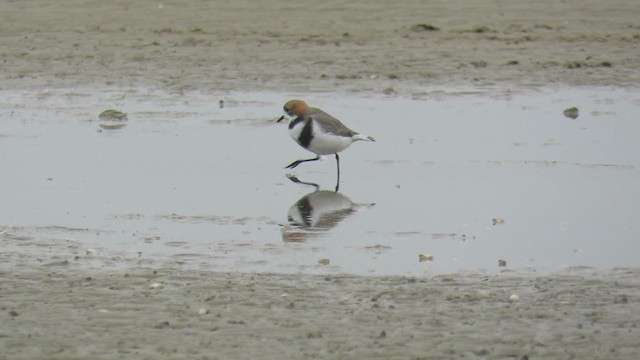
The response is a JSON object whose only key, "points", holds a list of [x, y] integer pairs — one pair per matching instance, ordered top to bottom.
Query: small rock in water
{"points": [[221, 103], [571, 112], [112, 115], [497, 221], [291, 234], [425, 257], [324, 261], [502, 263]]}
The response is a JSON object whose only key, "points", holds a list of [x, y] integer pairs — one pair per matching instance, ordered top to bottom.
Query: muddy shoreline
{"points": [[50, 308]]}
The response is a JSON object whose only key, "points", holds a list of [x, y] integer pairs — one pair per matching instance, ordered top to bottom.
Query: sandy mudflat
{"points": [[356, 46], [60, 311], [580, 314]]}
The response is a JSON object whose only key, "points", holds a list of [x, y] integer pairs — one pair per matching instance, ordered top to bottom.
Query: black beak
{"points": [[281, 118]]}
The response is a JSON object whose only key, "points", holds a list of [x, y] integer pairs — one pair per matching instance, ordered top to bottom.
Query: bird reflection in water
{"points": [[317, 212]]}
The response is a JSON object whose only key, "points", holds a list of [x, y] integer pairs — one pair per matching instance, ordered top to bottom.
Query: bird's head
{"points": [[294, 108]]}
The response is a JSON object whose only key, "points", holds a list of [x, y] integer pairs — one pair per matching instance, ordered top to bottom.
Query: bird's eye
{"points": [[289, 112]]}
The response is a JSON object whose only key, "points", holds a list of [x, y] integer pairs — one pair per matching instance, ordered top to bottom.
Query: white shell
{"points": [[91, 252], [425, 257], [156, 286], [514, 298], [203, 311]]}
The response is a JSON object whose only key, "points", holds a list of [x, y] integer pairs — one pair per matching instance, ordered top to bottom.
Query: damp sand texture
{"points": [[373, 46], [147, 314]]}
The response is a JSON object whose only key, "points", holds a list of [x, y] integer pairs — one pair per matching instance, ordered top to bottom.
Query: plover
{"points": [[318, 132]]}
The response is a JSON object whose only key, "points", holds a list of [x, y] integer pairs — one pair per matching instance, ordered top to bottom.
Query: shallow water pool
{"points": [[469, 179]]}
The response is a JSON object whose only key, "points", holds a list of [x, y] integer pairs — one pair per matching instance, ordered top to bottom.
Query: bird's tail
{"points": [[362, 137]]}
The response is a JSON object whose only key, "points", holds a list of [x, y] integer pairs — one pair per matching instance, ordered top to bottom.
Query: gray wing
{"points": [[328, 123]]}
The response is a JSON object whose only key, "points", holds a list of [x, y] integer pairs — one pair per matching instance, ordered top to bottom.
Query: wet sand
{"points": [[355, 46], [53, 308], [166, 313]]}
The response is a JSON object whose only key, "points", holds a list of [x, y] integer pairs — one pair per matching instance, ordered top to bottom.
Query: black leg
{"points": [[298, 162], [338, 163]]}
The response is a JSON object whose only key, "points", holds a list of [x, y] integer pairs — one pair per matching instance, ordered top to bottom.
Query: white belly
{"points": [[321, 143], [325, 144]]}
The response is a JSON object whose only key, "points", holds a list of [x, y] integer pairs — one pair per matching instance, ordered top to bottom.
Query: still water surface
{"points": [[467, 178]]}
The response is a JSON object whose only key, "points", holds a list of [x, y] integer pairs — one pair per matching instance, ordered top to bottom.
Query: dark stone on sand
{"points": [[424, 27], [481, 30], [479, 63], [571, 112], [112, 115]]}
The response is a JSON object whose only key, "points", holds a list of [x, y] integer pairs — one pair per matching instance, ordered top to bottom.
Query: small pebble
{"points": [[571, 112], [112, 115], [497, 221], [91, 252], [425, 257], [324, 262], [502, 263], [156, 286], [514, 298], [203, 311]]}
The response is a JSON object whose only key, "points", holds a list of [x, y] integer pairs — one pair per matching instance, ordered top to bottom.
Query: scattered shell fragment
{"points": [[571, 112], [112, 115], [497, 221], [291, 234], [91, 252], [425, 257], [324, 261], [502, 263], [156, 286], [514, 298], [203, 311]]}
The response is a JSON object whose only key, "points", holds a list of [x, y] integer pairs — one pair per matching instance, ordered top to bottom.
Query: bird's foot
{"points": [[293, 164], [293, 178]]}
